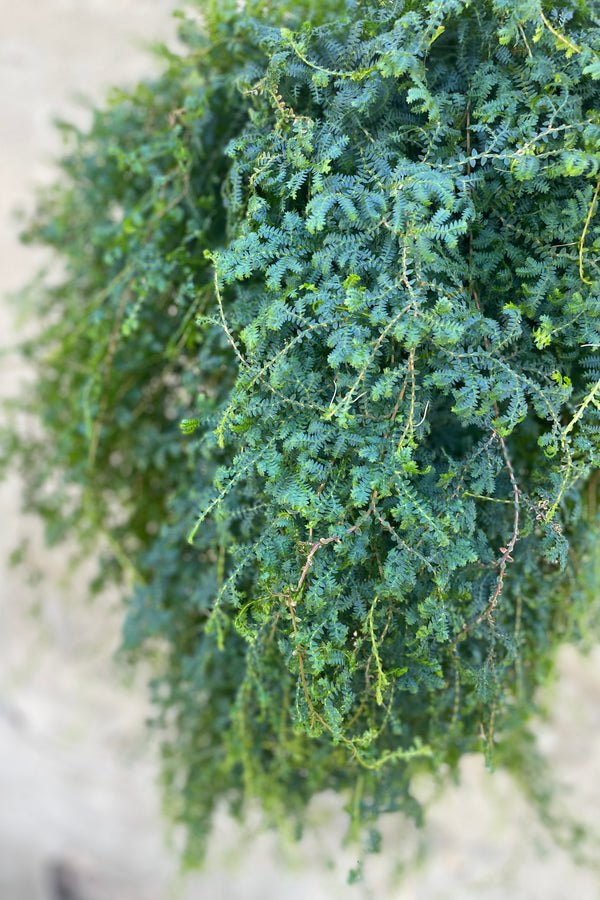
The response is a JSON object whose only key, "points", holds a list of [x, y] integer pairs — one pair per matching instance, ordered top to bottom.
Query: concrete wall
{"points": [[79, 807]]}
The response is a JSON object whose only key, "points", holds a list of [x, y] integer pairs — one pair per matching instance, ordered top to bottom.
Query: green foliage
{"points": [[331, 312]]}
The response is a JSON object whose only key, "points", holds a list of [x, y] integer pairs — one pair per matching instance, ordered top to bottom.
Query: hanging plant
{"points": [[324, 368]]}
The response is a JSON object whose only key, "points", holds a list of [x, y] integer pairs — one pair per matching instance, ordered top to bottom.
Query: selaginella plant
{"points": [[323, 376]]}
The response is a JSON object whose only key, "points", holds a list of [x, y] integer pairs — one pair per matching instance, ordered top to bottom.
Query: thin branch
{"points": [[558, 35], [583, 235], [224, 322], [323, 543], [505, 551]]}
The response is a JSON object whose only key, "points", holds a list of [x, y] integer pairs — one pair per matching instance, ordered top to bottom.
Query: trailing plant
{"points": [[323, 374]]}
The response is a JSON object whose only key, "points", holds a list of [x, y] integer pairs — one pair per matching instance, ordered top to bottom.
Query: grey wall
{"points": [[78, 801]]}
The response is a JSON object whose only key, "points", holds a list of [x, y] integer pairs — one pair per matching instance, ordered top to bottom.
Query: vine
{"points": [[323, 372]]}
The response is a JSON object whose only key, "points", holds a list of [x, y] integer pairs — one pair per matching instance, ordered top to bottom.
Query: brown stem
{"points": [[323, 543], [506, 551]]}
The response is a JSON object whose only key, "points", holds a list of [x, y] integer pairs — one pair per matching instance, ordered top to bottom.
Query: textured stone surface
{"points": [[79, 810]]}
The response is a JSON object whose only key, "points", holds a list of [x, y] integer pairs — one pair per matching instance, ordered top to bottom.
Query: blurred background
{"points": [[80, 815]]}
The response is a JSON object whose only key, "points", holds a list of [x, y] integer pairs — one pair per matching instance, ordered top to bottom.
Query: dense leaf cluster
{"points": [[357, 264]]}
